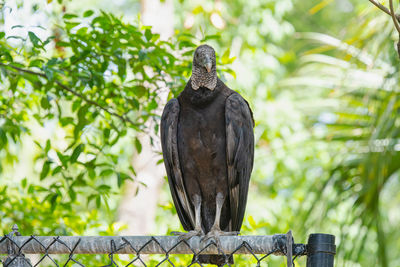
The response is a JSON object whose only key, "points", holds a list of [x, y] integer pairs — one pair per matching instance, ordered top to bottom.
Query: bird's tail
{"points": [[213, 259]]}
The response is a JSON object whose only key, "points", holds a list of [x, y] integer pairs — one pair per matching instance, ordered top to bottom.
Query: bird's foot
{"points": [[215, 233], [188, 235]]}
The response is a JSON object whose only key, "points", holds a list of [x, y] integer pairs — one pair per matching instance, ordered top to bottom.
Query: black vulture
{"points": [[208, 148]]}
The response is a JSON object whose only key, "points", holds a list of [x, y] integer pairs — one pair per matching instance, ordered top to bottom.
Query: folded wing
{"points": [[169, 133], [240, 155]]}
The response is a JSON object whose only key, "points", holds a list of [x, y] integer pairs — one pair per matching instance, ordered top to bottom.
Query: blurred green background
{"points": [[82, 84]]}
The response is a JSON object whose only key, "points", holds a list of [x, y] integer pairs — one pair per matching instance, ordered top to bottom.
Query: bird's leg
{"points": [[198, 231], [215, 231]]}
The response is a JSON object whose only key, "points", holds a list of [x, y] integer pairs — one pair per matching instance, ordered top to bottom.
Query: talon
{"points": [[215, 234], [188, 235]]}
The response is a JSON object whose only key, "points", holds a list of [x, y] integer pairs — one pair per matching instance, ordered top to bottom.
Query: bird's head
{"points": [[204, 57], [204, 70]]}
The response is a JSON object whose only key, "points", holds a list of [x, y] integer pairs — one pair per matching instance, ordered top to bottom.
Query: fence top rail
{"points": [[265, 244]]}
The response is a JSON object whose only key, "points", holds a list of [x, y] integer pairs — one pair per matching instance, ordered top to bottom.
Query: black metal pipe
{"points": [[321, 250]]}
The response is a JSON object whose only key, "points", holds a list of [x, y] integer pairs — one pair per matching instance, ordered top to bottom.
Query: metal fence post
{"points": [[321, 250], [14, 259]]}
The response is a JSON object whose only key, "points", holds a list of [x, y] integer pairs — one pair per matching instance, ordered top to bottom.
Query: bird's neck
{"points": [[202, 78]]}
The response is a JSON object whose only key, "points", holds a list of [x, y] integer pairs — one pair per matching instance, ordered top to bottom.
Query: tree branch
{"points": [[384, 9], [395, 17], [395, 20], [66, 88]]}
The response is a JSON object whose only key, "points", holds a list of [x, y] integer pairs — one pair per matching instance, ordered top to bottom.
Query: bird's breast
{"points": [[201, 134]]}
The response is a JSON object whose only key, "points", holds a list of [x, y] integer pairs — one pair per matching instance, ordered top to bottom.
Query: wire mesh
{"points": [[137, 248]]}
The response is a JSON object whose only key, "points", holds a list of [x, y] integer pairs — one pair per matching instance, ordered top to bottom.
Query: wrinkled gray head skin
{"points": [[204, 69]]}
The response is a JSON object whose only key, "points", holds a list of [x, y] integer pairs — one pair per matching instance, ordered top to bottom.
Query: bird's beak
{"points": [[208, 65]]}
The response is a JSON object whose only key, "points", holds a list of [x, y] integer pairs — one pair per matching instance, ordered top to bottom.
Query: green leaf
{"points": [[88, 13], [69, 16], [70, 25], [17, 26], [82, 32], [2, 34], [148, 34], [15, 37], [211, 37], [34, 39], [48, 40], [63, 44], [7, 56], [225, 57], [52, 61], [36, 63], [139, 91], [44, 103], [76, 104], [153, 105], [82, 113], [66, 120], [106, 133], [3, 138], [138, 145], [48, 146], [75, 154], [62, 158], [45, 170], [56, 170], [106, 172], [92, 173], [121, 177], [119, 180], [79, 181], [23, 183], [103, 188], [31, 189], [72, 194], [98, 201]]}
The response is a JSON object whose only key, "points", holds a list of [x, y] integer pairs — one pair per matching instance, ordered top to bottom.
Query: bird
{"points": [[207, 142]]}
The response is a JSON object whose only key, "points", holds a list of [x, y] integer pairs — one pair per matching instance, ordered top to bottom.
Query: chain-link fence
{"points": [[320, 249]]}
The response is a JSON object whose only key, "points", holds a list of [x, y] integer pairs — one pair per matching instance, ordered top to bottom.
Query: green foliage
{"points": [[322, 78], [96, 85], [358, 120]]}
